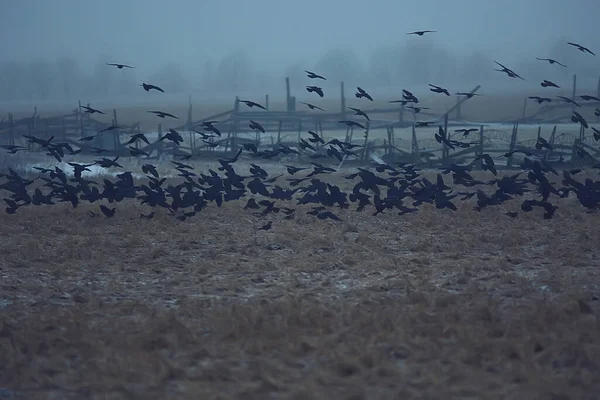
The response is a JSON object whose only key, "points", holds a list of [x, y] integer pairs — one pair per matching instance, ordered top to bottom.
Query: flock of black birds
{"points": [[399, 187]]}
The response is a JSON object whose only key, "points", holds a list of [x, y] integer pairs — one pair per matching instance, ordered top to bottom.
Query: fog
{"points": [[56, 51]]}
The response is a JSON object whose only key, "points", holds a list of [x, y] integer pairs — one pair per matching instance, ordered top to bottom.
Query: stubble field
{"points": [[431, 305]]}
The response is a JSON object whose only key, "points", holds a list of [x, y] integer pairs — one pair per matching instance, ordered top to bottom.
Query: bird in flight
{"points": [[420, 33], [581, 48], [551, 61], [119, 66], [508, 71], [312, 75], [547, 83], [147, 87], [315, 89], [438, 89], [361, 93], [589, 98], [539, 99], [568, 100], [251, 104], [312, 106], [91, 110], [162, 114]]}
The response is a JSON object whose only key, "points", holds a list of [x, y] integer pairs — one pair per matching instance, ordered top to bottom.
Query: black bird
{"points": [[420, 33], [581, 48], [551, 61], [119, 66], [508, 71], [312, 75], [547, 83], [147, 87], [315, 89], [438, 89], [361, 93], [589, 98], [539, 99], [568, 100], [252, 104], [312, 106], [91, 110], [358, 111], [162, 114], [576, 117], [353, 123], [422, 124], [256, 126], [110, 128], [466, 132], [136, 137], [87, 138], [315, 138], [250, 147], [292, 169], [108, 212], [266, 226]]}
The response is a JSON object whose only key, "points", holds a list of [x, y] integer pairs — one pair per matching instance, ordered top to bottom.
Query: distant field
{"points": [[486, 108]]}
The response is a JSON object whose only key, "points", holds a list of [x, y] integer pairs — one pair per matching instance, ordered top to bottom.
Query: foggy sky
{"points": [[279, 33]]}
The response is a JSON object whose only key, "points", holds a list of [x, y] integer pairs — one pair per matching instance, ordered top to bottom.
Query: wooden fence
{"points": [[287, 127]]}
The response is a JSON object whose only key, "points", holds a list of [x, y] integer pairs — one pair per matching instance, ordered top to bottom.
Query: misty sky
{"points": [[277, 33]]}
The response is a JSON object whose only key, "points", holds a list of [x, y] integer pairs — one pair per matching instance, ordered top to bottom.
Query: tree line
{"points": [[414, 62]]}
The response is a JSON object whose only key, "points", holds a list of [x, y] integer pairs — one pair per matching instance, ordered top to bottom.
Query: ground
{"points": [[432, 305]]}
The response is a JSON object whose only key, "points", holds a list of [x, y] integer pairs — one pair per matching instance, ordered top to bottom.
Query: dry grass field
{"points": [[432, 305]]}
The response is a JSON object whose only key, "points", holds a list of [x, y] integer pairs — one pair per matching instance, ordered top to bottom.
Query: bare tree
{"points": [[341, 64], [383, 65], [234, 71], [43, 75], [69, 76], [172, 77], [13, 81]]}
